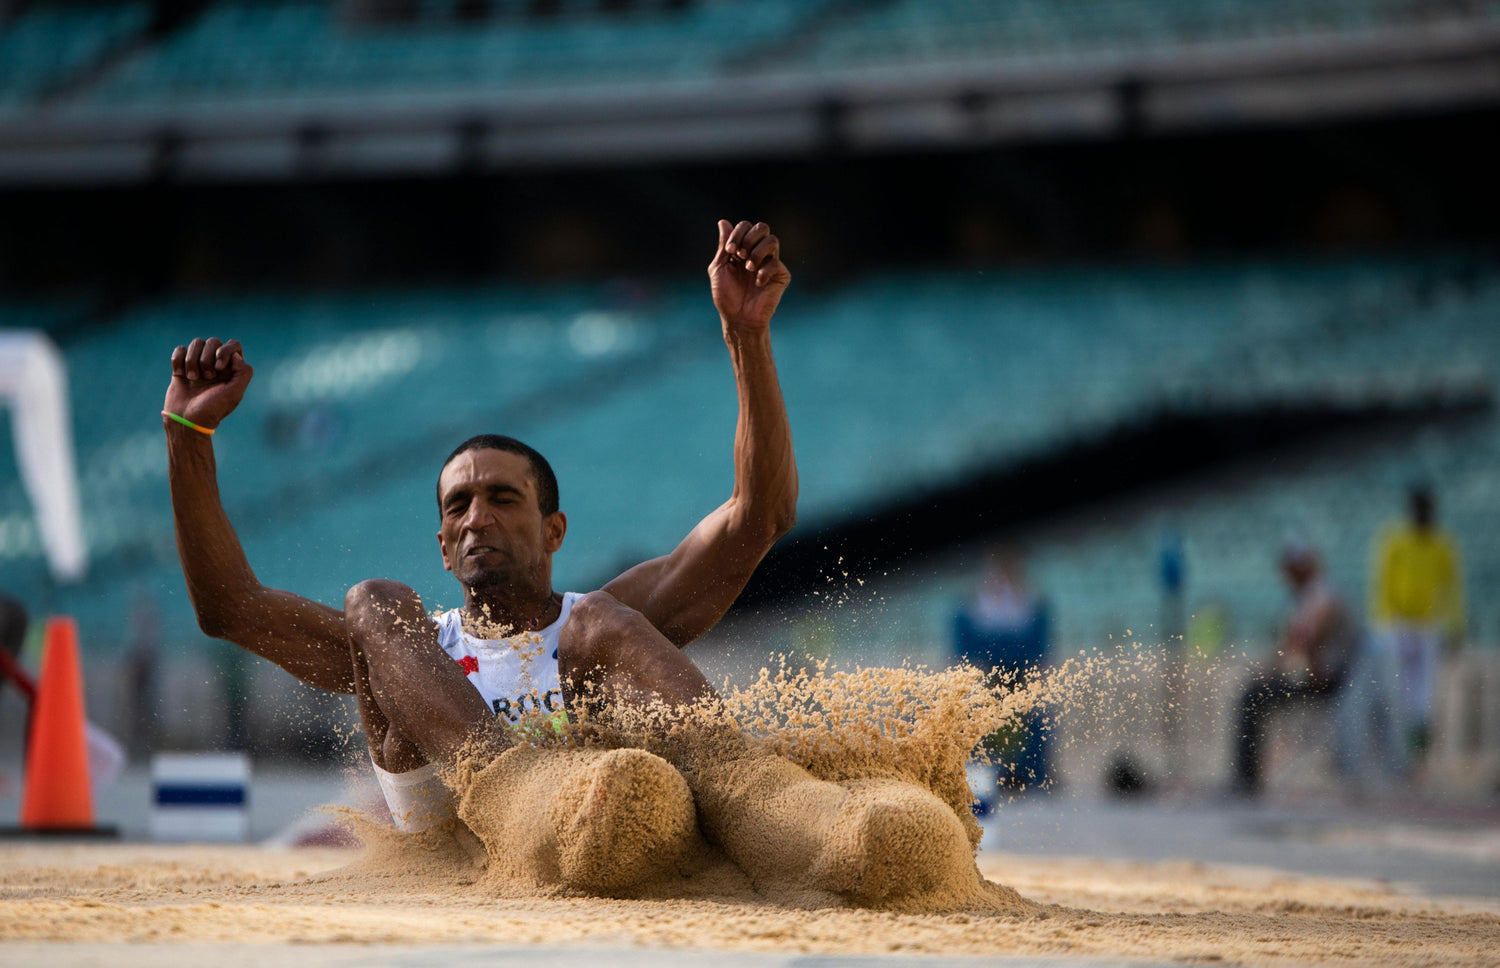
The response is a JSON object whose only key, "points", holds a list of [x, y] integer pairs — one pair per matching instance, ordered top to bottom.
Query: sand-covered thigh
{"points": [[1161, 912]]}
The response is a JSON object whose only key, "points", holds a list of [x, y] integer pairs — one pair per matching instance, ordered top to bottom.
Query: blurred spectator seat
{"points": [[1028, 31], [48, 43], [239, 50]]}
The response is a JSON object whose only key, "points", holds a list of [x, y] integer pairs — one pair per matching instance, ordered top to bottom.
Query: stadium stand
{"points": [[942, 31], [47, 45], [240, 50], [290, 88], [52, 316], [896, 387], [1105, 582]]}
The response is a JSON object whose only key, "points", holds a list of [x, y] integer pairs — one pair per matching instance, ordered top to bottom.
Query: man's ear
{"points": [[554, 528], [443, 547]]}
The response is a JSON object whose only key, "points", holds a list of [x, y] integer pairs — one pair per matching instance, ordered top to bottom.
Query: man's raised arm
{"points": [[686, 592], [304, 638]]}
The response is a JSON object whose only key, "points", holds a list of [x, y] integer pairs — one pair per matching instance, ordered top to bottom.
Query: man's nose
{"points": [[479, 514]]}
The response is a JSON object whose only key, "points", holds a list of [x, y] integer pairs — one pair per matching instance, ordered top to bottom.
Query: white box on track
{"points": [[200, 796]]}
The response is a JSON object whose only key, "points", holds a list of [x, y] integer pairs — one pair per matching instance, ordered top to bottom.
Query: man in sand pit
{"points": [[429, 691]]}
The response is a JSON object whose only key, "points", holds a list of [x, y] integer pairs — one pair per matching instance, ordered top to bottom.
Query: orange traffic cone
{"points": [[57, 798]]}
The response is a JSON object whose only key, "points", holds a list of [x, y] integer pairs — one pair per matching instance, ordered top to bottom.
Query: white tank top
{"points": [[515, 676]]}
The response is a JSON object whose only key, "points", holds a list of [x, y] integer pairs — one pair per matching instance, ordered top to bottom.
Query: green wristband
{"points": [[187, 423]]}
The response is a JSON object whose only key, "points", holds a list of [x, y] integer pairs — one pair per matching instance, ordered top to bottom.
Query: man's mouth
{"points": [[479, 550]]}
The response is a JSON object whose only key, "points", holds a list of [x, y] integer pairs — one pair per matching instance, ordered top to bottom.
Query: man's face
{"points": [[493, 531]]}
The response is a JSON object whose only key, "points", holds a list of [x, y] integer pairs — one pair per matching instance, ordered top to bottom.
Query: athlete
{"points": [[428, 688]]}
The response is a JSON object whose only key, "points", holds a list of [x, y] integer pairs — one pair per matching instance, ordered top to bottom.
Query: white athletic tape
{"points": [[200, 796], [418, 799]]}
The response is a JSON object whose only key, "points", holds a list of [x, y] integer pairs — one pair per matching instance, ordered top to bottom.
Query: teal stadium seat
{"points": [[939, 31], [46, 45], [287, 48], [257, 50]]}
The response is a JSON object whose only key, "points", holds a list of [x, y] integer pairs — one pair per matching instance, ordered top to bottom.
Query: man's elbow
{"points": [[762, 519], [783, 522], [770, 524], [217, 620], [215, 625]]}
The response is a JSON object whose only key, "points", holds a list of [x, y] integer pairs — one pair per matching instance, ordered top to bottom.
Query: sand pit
{"points": [[897, 739], [1158, 912]]}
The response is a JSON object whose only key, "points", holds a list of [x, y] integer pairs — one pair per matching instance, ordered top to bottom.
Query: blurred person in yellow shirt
{"points": [[1417, 603]]}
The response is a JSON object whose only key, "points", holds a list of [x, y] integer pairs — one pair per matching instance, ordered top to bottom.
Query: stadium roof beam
{"points": [[787, 114]]}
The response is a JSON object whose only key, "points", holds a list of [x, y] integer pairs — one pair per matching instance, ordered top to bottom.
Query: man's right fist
{"points": [[209, 378]]}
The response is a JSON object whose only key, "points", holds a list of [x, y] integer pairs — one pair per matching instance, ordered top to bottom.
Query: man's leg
{"points": [[609, 652], [1265, 693], [415, 703], [415, 706], [1391, 715], [1355, 719], [595, 820], [872, 841]]}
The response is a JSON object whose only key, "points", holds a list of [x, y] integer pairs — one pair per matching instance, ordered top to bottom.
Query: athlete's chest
{"points": [[514, 676]]}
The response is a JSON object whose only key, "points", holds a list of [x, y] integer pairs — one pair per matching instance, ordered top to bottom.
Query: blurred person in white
{"points": [[1417, 604], [1370, 749]]}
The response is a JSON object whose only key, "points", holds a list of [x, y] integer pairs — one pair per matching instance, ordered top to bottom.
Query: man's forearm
{"points": [[765, 468], [218, 575], [684, 593], [303, 637]]}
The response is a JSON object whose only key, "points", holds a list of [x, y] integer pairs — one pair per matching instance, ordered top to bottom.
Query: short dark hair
{"points": [[541, 471], [1421, 503]]}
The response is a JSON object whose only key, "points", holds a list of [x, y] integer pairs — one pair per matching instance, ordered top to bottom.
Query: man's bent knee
{"points": [[377, 592], [376, 603], [599, 609], [595, 619], [598, 626]]}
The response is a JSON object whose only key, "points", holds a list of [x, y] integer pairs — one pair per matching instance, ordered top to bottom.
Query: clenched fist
{"points": [[747, 276], [209, 378]]}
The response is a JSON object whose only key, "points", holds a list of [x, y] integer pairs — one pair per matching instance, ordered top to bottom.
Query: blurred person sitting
{"points": [[1417, 604], [13, 621], [13, 624], [1003, 628], [1321, 639], [106, 758]]}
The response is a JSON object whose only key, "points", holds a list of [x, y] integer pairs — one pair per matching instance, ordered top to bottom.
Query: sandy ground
{"points": [[128, 905], [1157, 912]]}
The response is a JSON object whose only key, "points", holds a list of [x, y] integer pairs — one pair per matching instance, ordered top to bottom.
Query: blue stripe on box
{"points": [[200, 796]]}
